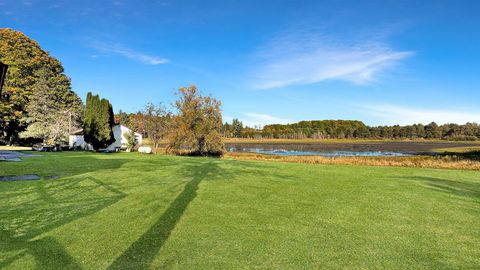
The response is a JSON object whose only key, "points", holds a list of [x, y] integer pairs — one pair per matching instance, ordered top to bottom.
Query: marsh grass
{"points": [[452, 150], [438, 162]]}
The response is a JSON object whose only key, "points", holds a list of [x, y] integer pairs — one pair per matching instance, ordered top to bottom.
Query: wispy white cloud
{"points": [[27, 3], [113, 48], [310, 58], [395, 114], [252, 119]]}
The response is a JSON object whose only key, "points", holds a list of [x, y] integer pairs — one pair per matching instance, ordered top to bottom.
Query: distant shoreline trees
{"points": [[351, 129], [233, 130]]}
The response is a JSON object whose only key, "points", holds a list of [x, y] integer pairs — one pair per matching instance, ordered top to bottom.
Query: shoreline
{"points": [[340, 141]]}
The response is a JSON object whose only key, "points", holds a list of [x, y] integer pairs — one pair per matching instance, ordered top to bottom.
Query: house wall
{"points": [[119, 133], [78, 141], [120, 141]]}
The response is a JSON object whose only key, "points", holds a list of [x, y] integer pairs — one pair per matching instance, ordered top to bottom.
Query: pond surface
{"points": [[342, 149], [285, 152]]}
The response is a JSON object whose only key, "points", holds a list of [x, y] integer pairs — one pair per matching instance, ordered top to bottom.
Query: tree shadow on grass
{"points": [[463, 189], [31, 209], [47, 252], [142, 252]]}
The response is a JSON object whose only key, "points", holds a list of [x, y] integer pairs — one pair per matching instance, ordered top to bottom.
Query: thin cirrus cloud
{"points": [[117, 49], [294, 60], [395, 114]]}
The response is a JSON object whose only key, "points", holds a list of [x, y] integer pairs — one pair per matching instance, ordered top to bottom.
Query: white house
{"points": [[119, 132]]}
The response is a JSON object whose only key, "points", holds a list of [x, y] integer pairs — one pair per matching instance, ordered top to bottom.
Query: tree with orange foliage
{"points": [[155, 122], [196, 129]]}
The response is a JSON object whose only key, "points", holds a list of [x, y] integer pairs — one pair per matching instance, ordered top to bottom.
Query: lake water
{"points": [[376, 149], [290, 152]]}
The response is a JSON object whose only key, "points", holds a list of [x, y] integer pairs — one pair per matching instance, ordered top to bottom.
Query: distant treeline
{"points": [[344, 129]]}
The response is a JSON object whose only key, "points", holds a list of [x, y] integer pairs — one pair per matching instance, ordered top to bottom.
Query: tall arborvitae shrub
{"points": [[88, 118], [98, 122], [105, 123]]}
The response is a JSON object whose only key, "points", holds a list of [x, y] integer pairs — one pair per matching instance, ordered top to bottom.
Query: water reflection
{"points": [[285, 152]]}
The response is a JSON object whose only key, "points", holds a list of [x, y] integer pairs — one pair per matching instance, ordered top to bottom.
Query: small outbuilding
{"points": [[76, 139]]}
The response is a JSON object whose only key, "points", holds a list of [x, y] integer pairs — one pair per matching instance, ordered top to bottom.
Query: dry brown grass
{"points": [[15, 148], [439, 162]]}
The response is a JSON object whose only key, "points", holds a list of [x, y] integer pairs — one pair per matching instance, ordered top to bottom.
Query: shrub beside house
{"points": [[77, 140]]}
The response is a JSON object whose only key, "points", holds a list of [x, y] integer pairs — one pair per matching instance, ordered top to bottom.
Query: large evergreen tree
{"points": [[32, 71], [52, 111], [98, 122]]}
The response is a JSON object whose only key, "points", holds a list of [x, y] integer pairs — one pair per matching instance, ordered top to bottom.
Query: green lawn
{"points": [[121, 211]]}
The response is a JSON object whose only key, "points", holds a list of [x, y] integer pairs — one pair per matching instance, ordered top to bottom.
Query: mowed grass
{"points": [[132, 211]]}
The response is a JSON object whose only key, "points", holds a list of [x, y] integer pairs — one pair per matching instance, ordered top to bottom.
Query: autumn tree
{"points": [[31, 69], [122, 118], [155, 121], [137, 122], [196, 128]]}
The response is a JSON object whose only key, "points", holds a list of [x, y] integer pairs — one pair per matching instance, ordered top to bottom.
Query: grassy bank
{"points": [[132, 211]]}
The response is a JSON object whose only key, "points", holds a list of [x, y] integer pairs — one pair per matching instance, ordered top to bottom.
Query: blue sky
{"points": [[382, 62]]}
